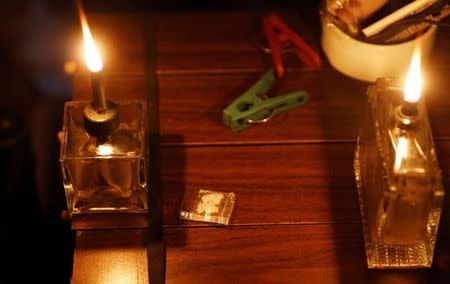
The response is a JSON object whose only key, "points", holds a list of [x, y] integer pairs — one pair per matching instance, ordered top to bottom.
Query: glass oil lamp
{"points": [[103, 153], [397, 174]]}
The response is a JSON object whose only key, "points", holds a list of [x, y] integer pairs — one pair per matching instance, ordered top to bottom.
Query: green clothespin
{"points": [[252, 107]]}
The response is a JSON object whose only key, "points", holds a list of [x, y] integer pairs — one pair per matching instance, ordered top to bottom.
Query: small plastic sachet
{"points": [[207, 206]]}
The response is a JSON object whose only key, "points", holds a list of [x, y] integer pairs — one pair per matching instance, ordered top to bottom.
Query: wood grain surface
{"points": [[207, 43], [191, 106], [275, 184], [297, 216], [321, 253], [112, 256]]}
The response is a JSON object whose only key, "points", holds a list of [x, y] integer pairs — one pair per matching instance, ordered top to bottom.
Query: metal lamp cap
{"points": [[101, 123]]}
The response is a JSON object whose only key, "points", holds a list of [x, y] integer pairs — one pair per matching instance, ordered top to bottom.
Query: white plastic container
{"points": [[367, 62]]}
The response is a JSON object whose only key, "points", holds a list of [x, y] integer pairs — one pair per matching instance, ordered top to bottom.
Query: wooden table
{"points": [[297, 215]]}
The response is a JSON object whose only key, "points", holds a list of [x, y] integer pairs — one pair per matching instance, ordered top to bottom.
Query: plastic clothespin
{"points": [[278, 33], [252, 107]]}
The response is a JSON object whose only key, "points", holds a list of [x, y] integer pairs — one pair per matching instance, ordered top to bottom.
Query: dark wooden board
{"points": [[208, 43], [191, 106], [279, 184], [297, 217], [316, 253], [282, 254], [110, 256]]}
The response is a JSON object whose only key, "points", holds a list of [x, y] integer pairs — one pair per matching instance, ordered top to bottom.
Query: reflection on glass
{"points": [[105, 174], [398, 180]]}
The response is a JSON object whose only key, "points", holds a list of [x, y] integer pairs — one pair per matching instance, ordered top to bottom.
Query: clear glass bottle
{"points": [[105, 174], [398, 180]]}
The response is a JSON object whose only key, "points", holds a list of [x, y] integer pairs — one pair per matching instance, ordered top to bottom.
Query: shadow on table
{"points": [[337, 102], [166, 181]]}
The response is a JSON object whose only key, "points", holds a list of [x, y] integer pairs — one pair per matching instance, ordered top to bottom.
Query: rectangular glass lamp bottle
{"points": [[105, 172], [398, 180]]}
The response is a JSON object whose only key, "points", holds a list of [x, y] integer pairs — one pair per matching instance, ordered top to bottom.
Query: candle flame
{"points": [[91, 53], [413, 83]]}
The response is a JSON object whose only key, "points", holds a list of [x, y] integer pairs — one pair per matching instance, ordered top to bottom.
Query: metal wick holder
{"points": [[407, 115], [101, 116]]}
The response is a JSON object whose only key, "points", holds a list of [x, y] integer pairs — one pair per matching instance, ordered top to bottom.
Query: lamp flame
{"points": [[91, 53], [413, 83]]}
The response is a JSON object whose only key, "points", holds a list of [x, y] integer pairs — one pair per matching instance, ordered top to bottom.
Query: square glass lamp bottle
{"points": [[104, 165], [398, 180]]}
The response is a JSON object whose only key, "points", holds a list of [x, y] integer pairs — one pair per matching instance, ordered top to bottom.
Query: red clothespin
{"points": [[278, 33]]}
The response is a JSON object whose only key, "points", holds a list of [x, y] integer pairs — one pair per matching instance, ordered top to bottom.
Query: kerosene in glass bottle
{"points": [[104, 153], [104, 169], [398, 177]]}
